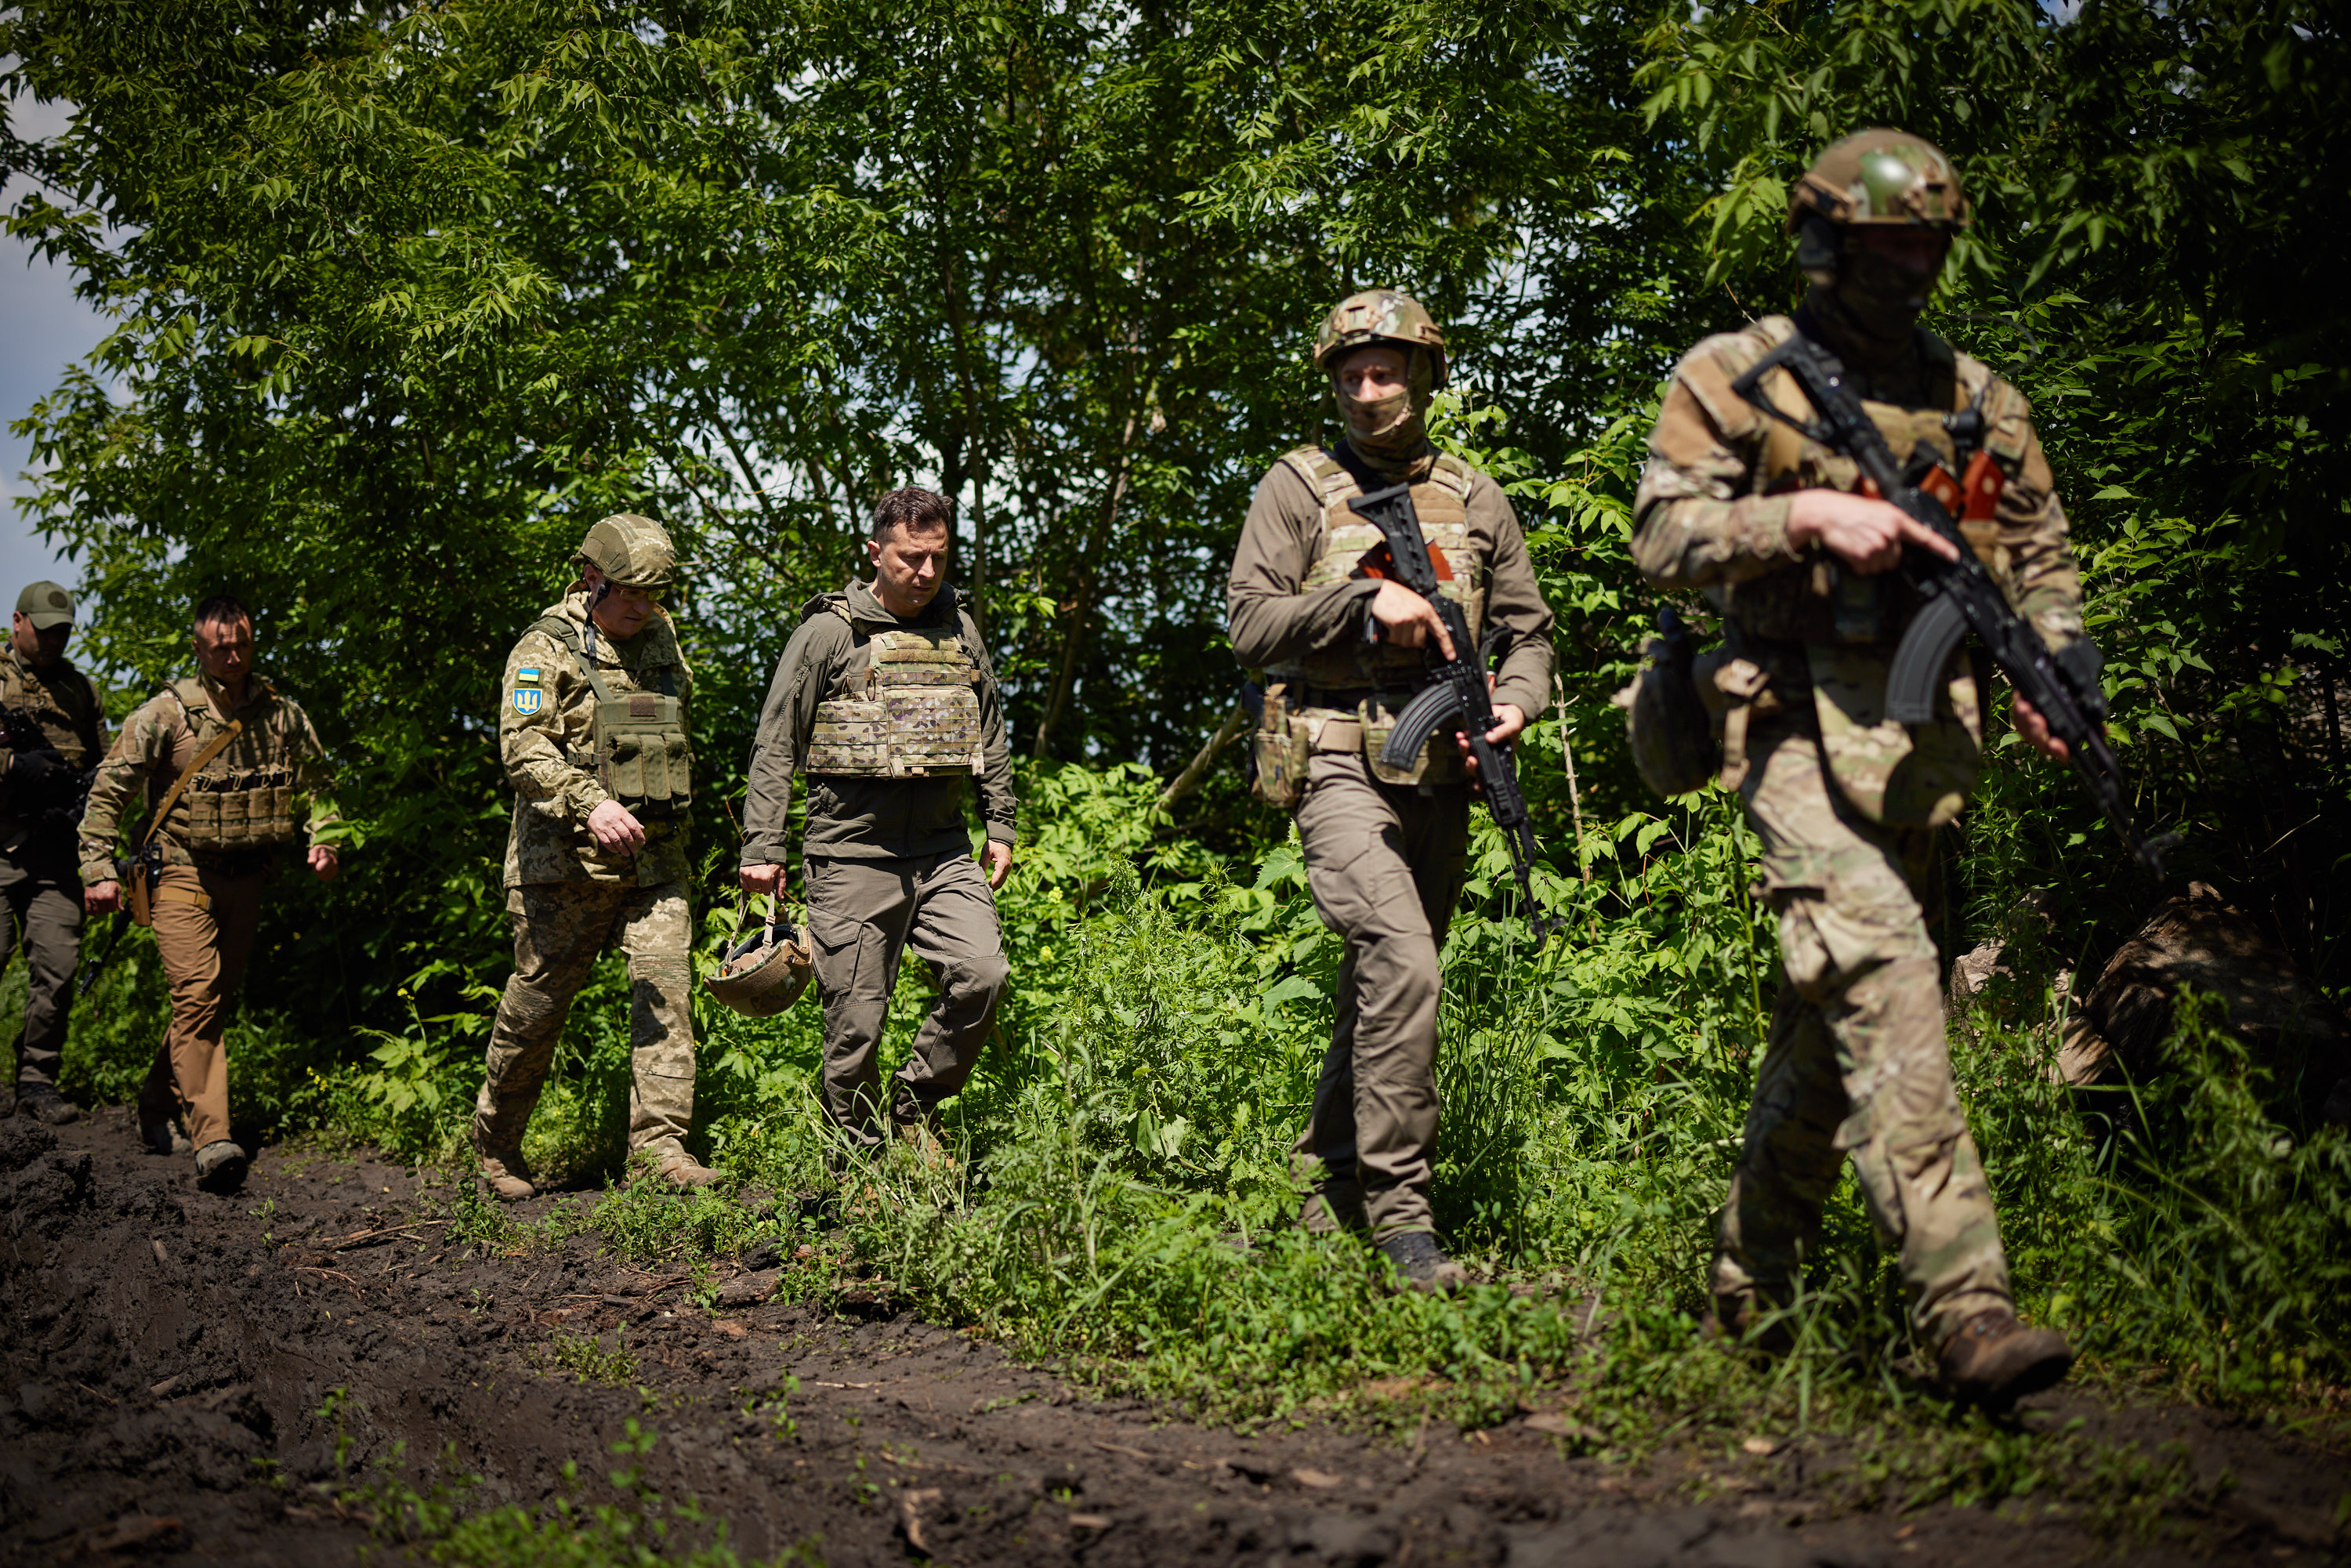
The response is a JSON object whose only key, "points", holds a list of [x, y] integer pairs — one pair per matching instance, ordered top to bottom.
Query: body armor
{"points": [[1817, 600], [1369, 683], [906, 707], [638, 749], [238, 801]]}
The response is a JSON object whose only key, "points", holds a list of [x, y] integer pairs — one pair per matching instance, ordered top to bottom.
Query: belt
{"points": [[1350, 698]]}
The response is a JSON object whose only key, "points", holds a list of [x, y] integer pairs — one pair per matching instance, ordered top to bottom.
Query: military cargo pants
{"points": [[1384, 864], [44, 896], [862, 917], [204, 920], [560, 928], [1857, 1063]]}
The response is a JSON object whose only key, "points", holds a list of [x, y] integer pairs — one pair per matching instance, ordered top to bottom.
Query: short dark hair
{"points": [[912, 508], [221, 607]]}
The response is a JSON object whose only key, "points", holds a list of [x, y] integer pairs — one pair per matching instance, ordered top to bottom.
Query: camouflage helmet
{"points": [[1881, 177], [1380, 316], [631, 551], [765, 972]]}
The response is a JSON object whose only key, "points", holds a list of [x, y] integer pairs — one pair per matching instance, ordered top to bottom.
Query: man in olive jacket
{"points": [[885, 698]]}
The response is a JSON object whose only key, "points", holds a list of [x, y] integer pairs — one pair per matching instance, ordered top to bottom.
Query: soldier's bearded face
{"points": [[910, 564], [39, 648], [224, 650]]}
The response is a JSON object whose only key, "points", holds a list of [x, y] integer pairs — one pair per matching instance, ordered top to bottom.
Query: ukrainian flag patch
{"points": [[527, 677], [527, 700]]}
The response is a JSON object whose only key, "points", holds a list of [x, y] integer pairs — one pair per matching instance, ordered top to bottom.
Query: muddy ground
{"points": [[166, 1354]]}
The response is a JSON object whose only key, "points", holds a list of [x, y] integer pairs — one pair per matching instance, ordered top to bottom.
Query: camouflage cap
{"points": [[1881, 176], [1379, 315], [631, 551], [46, 604]]}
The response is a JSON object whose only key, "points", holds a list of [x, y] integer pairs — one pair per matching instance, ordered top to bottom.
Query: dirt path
{"points": [[167, 1354]]}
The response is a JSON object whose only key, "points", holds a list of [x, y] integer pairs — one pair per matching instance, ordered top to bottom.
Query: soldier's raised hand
{"points": [[1864, 532], [1407, 620]]}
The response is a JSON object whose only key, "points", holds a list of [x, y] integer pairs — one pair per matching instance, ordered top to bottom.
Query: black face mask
{"points": [[1881, 296]]}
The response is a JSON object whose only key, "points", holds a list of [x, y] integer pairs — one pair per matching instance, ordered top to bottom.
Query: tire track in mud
{"points": [[167, 1354]]}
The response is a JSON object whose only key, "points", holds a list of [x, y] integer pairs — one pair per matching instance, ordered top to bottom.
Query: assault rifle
{"points": [[1960, 595], [1457, 701], [67, 796], [147, 862]]}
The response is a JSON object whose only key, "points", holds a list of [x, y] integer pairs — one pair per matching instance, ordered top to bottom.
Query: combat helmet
{"points": [[1881, 176], [1380, 316], [631, 551], [766, 971]]}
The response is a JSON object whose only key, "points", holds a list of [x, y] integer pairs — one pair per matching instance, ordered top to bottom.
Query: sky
{"points": [[45, 329]]}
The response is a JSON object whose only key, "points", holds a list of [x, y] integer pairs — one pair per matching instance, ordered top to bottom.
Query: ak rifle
{"points": [[1457, 701]]}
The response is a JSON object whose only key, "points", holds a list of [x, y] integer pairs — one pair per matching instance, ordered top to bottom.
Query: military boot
{"points": [[42, 1103], [160, 1133], [921, 1133], [220, 1166], [682, 1170], [503, 1174], [1337, 1205], [1422, 1264], [1740, 1315], [1994, 1360]]}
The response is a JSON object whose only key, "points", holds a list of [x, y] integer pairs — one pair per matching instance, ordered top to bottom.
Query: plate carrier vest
{"points": [[907, 705], [637, 746], [227, 806]]}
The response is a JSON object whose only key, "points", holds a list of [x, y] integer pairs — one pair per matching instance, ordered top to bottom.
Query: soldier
{"points": [[1773, 529], [1343, 653], [885, 697], [592, 726], [56, 731], [234, 771]]}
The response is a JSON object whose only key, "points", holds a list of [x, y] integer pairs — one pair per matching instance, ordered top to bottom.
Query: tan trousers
{"points": [[1384, 864], [44, 910], [862, 917], [560, 928], [203, 933], [1857, 1064]]}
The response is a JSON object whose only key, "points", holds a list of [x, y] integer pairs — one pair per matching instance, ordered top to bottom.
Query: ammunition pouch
{"points": [[638, 749]]}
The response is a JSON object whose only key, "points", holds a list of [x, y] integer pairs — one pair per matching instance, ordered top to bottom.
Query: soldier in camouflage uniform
{"points": [[1772, 529], [1342, 650], [885, 698], [592, 728], [56, 734], [227, 834]]}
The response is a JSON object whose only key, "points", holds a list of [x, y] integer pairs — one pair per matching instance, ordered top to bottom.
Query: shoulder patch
{"points": [[526, 677], [527, 700]]}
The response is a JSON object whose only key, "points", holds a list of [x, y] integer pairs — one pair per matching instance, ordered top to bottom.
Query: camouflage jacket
{"points": [[1711, 514], [61, 701], [545, 722], [162, 738], [854, 818]]}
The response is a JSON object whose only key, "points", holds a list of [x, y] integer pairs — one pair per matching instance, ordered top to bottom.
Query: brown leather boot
{"points": [[681, 1169], [503, 1174], [1994, 1360]]}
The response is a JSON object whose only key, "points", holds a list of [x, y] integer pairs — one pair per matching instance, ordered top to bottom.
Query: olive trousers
{"points": [[1384, 864], [44, 898], [862, 917], [204, 921], [560, 928], [1857, 1065]]}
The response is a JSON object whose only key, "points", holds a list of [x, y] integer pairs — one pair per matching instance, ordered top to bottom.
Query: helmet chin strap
{"points": [[603, 586]]}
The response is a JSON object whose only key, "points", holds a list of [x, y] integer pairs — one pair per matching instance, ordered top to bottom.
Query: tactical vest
{"points": [[1442, 502], [1817, 600], [907, 705], [638, 748], [231, 804]]}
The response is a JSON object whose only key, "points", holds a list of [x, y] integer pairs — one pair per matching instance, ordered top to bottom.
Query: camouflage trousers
{"points": [[1384, 864], [43, 894], [862, 917], [560, 928], [1857, 1063]]}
